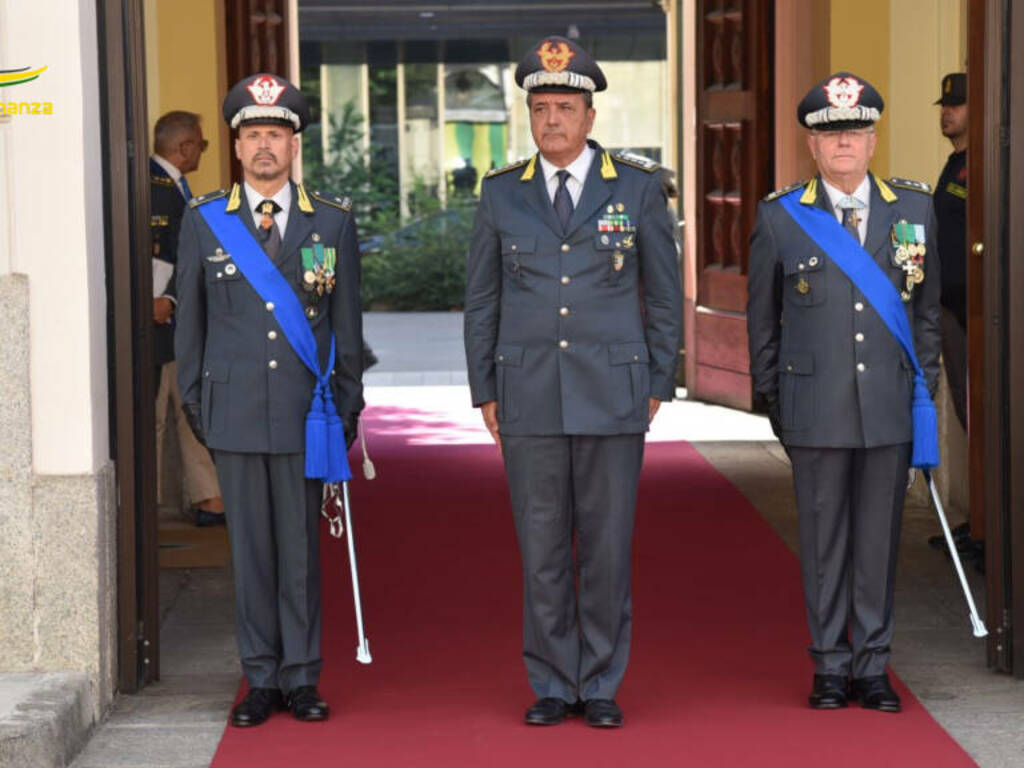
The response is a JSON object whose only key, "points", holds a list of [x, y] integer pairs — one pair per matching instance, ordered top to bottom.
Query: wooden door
{"points": [[256, 40], [735, 168], [130, 334]]}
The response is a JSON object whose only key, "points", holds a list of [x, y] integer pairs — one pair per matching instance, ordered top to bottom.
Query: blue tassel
{"points": [[926, 428], [316, 436], [338, 470]]}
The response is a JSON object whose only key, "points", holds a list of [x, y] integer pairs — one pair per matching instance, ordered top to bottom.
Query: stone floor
{"points": [[177, 722]]}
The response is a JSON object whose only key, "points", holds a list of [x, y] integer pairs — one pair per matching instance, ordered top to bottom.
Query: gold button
{"points": [[515, 247], [565, 247], [801, 267], [220, 275], [565, 279], [270, 306], [859, 306], [564, 311], [272, 335], [859, 337], [563, 344], [501, 358], [272, 364], [789, 367], [861, 367]]}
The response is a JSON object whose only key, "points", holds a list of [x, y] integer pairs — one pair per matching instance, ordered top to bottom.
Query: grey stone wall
{"points": [[57, 537]]}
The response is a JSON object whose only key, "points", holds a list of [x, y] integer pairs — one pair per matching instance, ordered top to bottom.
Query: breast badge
{"points": [[616, 220], [908, 242], [318, 265]]}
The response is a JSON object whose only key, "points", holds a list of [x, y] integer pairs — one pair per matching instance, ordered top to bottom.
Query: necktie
{"points": [[185, 190], [563, 200], [851, 219], [269, 232]]}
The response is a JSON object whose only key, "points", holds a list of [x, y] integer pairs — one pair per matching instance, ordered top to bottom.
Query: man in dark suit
{"points": [[178, 144], [568, 360], [838, 384], [247, 385]]}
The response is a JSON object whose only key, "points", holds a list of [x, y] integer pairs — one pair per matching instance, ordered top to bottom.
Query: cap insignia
{"points": [[555, 57], [265, 90], [843, 92]]}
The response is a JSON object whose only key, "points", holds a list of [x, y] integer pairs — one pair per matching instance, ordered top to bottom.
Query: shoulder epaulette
{"points": [[636, 161], [506, 168], [165, 181], [918, 186], [784, 190], [195, 202], [344, 203]]}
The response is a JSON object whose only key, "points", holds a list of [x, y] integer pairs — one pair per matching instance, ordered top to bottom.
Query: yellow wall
{"points": [[859, 43], [903, 48], [186, 70]]}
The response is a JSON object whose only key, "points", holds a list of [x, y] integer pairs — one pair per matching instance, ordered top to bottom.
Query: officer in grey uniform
{"points": [[572, 323], [838, 385], [247, 393]]}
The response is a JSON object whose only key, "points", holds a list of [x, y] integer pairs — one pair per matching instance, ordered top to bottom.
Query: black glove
{"points": [[193, 416], [775, 419], [351, 425]]}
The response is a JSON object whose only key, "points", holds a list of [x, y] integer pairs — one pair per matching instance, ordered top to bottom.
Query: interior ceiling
{"points": [[362, 20]]}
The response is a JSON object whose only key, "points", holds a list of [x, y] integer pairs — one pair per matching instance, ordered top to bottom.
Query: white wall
{"points": [[53, 164]]}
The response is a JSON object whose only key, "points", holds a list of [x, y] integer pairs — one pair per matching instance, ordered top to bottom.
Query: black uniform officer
{"points": [[950, 201], [568, 360], [838, 384], [247, 392]]}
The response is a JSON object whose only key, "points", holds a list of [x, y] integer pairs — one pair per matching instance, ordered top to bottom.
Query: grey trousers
{"points": [[954, 358], [850, 505], [273, 517], [577, 605]]}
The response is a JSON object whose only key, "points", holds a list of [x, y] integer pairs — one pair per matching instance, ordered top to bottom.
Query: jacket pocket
{"points": [[513, 249], [618, 249], [804, 277], [224, 286], [508, 360], [633, 385], [796, 390], [214, 394]]}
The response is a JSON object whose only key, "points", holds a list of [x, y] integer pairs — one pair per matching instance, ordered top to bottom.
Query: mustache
{"points": [[263, 154]]}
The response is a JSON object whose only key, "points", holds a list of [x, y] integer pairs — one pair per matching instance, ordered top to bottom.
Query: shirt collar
{"points": [[167, 165], [578, 168], [862, 192], [283, 197]]}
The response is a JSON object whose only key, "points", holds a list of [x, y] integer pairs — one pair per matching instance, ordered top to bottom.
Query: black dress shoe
{"points": [[205, 518], [828, 692], [876, 693], [307, 705], [256, 707], [549, 711], [602, 713]]}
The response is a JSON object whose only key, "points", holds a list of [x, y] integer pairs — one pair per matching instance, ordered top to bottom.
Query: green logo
{"points": [[19, 76]]}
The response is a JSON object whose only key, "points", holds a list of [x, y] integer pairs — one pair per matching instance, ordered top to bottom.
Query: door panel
{"points": [[735, 160]]}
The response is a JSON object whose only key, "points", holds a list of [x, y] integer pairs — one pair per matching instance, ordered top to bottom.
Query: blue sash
{"points": [[862, 270], [326, 454]]}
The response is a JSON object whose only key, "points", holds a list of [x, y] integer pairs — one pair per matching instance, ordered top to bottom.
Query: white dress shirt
{"points": [[578, 170], [172, 171], [862, 194], [283, 197]]}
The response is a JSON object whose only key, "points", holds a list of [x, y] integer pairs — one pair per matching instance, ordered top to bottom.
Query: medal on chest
{"points": [[908, 241], [318, 265]]}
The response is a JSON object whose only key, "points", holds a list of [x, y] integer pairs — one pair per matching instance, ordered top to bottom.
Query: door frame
{"points": [[130, 337]]}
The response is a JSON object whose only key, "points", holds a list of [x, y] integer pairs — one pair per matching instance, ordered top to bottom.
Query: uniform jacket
{"points": [[167, 206], [565, 342], [816, 345], [233, 358]]}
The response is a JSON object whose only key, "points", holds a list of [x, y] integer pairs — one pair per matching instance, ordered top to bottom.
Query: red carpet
{"points": [[718, 676]]}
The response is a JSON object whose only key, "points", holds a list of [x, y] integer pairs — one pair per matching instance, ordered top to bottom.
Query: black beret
{"points": [[558, 65], [954, 89], [265, 98], [840, 102]]}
